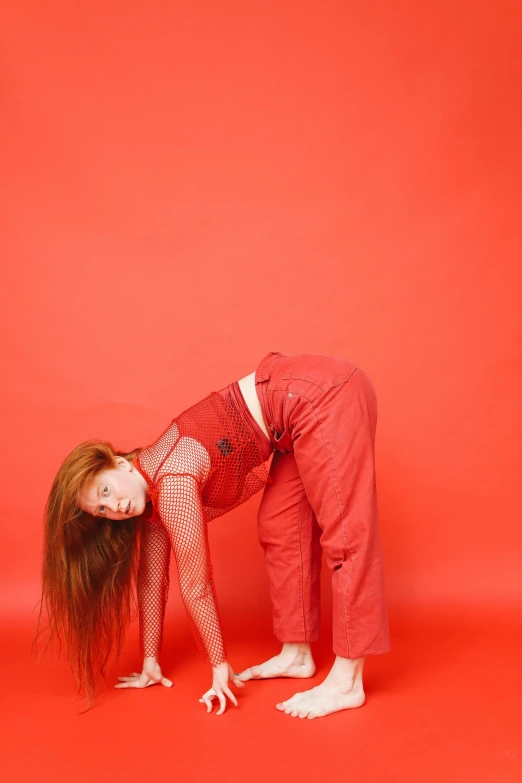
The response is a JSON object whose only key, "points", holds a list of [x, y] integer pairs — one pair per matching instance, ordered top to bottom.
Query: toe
{"points": [[293, 702]]}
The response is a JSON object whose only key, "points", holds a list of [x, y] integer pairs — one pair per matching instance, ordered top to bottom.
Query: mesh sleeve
{"points": [[180, 509], [153, 586]]}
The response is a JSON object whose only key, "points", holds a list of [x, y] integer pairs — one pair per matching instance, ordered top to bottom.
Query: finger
{"points": [[246, 675], [142, 681], [237, 682], [167, 683], [230, 695], [207, 703], [222, 703]]}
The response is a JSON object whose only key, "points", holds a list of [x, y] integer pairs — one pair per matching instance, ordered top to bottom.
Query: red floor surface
{"points": [[186, 186], [445, 705]]}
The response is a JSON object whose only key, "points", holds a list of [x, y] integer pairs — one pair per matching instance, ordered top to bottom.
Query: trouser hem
{"points": [[287, 637]]}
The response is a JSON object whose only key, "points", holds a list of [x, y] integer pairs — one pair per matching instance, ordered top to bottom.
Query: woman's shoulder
{"points": [[188, 456]]}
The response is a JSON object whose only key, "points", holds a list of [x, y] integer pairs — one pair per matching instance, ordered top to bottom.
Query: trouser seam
{"points": [[301, 562], [346, 607]]}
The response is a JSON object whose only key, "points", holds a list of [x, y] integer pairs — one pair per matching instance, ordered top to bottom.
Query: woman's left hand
{"points": [[222, 674]]}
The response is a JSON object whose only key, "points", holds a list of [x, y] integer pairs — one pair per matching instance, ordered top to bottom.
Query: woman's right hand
{"points": [[222, 674], [151, 675]]}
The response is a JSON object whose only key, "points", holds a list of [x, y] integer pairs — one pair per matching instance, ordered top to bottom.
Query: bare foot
{"points": [[294, 660], [342, 690]]}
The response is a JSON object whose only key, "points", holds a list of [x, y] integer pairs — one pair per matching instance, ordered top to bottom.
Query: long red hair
{"points": [[89, 569]]}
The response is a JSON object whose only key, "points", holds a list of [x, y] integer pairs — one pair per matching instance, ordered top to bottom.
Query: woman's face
{"points": [[117, 493]]}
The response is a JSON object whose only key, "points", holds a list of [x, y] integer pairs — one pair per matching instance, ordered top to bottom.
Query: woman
{"points": [[111, 519]]}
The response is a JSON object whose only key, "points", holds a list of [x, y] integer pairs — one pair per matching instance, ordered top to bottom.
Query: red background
{"points": [[186, 186]]}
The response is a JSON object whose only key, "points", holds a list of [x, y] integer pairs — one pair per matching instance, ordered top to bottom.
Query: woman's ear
{"points": [[121, 462]]}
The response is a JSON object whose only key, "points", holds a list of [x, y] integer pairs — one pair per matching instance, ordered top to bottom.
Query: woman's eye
{"points": [[105, 490], [101, 510]]}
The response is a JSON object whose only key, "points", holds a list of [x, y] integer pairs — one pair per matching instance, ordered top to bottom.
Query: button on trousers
{"points": [[321, 413]]}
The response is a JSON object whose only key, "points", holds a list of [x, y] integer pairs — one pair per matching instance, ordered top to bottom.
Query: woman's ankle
{"points": [[297, 649], [347, 672]]}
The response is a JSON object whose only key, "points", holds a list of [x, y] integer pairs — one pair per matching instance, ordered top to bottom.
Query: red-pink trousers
{"points": [[321, 413]]}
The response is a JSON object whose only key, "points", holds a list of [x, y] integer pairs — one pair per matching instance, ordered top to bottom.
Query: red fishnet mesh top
{"points": [[206, 463]]}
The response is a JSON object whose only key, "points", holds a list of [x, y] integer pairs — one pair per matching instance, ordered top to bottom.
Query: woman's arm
{"points": [[180, 509], [153, 587], [153, 590]]}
